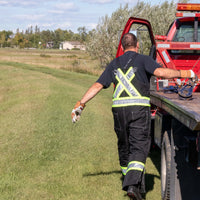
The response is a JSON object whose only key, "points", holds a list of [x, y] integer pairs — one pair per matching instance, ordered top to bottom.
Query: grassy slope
{"points": [[76, 61], [44, 155]]}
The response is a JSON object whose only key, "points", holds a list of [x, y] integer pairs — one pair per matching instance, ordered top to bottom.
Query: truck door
{"points": [[141, 28]]}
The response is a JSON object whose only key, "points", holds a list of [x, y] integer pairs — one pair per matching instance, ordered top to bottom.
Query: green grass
{"points": [[46, 157]]}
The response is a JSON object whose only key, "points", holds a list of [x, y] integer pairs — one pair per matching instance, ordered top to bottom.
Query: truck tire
{"points": [[165, 167]]}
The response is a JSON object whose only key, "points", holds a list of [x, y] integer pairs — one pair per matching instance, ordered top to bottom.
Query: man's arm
{"points": [[167, 73], [172, 73], [92, 92], [78, 108]]}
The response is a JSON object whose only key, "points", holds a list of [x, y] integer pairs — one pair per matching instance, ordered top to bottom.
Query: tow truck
{"points": [[175, 117]]}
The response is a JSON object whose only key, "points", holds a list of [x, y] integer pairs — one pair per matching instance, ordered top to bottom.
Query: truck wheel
{"points": [[165, 167]]}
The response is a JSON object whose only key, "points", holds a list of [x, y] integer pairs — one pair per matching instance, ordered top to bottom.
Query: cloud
{"points": [[99, 1], [131, 1], [3, 3], [21, 3], [25, 3], [66, 6], [63, 8], [56, 11], [53, 14], [29, 17], [63, 25], [53, 26], [91, 26]]}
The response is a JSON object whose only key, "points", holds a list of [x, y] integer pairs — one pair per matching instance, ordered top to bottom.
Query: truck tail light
{"points": [[188, 7]]}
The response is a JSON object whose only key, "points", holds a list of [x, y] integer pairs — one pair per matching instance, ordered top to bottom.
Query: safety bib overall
{"points": [[131, 112]]}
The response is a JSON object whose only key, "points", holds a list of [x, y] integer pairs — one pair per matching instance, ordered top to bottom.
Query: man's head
{"points": [[129, 41]]}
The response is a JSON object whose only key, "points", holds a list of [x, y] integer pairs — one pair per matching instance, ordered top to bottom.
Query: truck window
{"points": [[185, 33], [143, 37]]}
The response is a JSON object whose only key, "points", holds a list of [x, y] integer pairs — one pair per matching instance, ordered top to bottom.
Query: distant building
{"points": [[49, 45], [68, 45]]}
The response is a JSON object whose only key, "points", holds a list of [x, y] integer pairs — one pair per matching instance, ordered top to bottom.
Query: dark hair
{"points": [[129, 40]]}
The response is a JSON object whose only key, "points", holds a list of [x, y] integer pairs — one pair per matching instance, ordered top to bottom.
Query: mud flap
{"points": [[198, 149]]}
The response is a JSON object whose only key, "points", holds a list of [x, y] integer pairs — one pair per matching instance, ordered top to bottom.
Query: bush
{"points": [[104, 40], [44, 55], [75, 63]]}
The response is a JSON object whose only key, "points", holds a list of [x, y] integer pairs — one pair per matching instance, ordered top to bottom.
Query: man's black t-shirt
{"points": [[144, 65]]}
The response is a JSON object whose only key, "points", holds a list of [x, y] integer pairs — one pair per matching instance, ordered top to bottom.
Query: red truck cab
{"points": [[179, 48]]}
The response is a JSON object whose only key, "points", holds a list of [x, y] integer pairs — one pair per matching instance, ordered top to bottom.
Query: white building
{"points": [[68, 45]]}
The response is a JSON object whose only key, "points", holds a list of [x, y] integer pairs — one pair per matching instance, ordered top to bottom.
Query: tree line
{"points": [[34, 38]]}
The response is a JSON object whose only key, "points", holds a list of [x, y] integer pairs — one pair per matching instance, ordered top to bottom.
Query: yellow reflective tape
{"points": [[131, 78], [129, 83], [120, 84], [124, 84], [116, 89], [129, 98], [131, 101], [125, 105], [136, 162], [135, 165], [134, 168], [124, 170]]}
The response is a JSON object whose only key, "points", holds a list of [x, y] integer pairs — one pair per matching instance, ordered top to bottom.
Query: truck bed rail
{"points": [[185, 111]]}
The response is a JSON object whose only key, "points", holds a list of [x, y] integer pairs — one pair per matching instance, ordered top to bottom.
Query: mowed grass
{"points": [[75, 61], [44, 155]]}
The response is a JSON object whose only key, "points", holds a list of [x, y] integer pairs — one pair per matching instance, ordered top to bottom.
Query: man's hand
{"points": [[172, 73], [189, 74], [194, 77], [92, 91], [76, 112]]}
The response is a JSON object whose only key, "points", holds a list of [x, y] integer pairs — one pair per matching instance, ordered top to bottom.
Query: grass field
{"points": [[75, 61], [43, 155]]}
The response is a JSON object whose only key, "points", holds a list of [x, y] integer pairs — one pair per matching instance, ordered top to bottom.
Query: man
{"points": [[130, 74]]}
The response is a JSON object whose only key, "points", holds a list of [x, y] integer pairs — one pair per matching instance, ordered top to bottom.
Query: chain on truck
{"points": [[175, 103]]}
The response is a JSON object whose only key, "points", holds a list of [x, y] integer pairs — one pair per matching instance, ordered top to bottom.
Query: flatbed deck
{"points": [[186, 111]]}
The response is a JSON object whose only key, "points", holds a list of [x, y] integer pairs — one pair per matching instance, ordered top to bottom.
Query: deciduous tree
{"points": [[104, 39]]}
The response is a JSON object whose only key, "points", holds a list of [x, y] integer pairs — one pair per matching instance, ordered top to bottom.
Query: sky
{"points": [[54, 14]]}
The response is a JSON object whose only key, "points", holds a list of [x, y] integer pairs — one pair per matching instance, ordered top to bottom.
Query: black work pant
{"points": [[132, 126]]}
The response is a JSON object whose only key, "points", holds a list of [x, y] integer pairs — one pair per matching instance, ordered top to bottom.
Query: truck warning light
{"points": [[188, 7]]}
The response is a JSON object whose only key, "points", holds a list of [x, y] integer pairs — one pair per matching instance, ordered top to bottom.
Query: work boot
{"points": [[133, 193]]}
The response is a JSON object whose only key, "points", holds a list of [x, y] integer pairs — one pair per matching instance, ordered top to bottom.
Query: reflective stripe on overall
{"points": [[124, 83], [133, 165], [124, 169]]}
